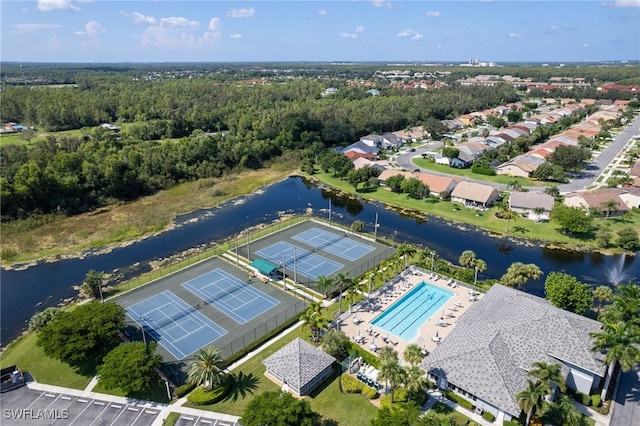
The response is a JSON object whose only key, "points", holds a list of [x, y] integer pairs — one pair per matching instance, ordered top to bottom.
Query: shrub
{"points": [[483, 170], [367, 357], [350, 384], [184, 389], [369, 392], [400, 395], [205, 396], [583, 398], [457, 399], [595, 400], [385, 401], [488, 416], [510, 423]]}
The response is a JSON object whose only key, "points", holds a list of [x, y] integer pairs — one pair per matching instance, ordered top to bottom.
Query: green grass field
{"points": [[503, 179], [518, 227]]}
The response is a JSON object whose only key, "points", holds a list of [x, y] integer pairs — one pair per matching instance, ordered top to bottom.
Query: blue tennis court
{"points": [[335, 244], [305, 262], [234, 298], [178, 327]]}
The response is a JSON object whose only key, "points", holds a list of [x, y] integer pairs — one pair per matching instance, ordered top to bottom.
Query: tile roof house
{"points": [[362, 148], [354, 155], [381, 165], [523, 165], [635, 169], [386, 174], [438, 184], [474, 195], [630, 196], [595, 200], [525, 203], [486, 356], [300, 366]]}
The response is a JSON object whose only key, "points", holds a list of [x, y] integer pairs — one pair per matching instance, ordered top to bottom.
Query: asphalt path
{"points": [[581, 181]]}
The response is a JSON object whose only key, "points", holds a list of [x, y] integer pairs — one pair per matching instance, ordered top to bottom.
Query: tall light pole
{"points": [[329, 211], [375, 228], [433, 260], [237, 261], [295, 269], [284, 273], [100, 290], [144, 337]]}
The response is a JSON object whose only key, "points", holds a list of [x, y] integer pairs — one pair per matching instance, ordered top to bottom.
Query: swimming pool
{"points": [[411, 311]]}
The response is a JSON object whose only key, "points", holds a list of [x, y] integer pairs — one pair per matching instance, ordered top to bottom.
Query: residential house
{"points": [[330, 91], [372, 140], [391, 140], [361, 148], [468, 152], [361, 162], [522, 166], [635, 169], [386, 174], [438, 185], [474, 195], [631, 196], [597, 200], [526, 203], [486, 356], [299, 366]]}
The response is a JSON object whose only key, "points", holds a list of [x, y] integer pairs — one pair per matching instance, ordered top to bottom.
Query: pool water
{"points": [[411, 311]]}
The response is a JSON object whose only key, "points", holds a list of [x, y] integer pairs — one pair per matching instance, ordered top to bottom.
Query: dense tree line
{"points": [[163, 140]]}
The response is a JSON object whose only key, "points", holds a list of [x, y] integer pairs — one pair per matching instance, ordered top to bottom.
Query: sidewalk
{"points": [[436, 396]]}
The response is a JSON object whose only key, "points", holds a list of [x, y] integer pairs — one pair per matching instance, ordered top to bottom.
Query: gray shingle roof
{"points": [[495, 342], [299, 362]]}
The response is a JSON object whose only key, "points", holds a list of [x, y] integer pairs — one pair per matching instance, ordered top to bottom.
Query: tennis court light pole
{"points": [[375, 228], [295, 269], [284, 273], [144, 338]]}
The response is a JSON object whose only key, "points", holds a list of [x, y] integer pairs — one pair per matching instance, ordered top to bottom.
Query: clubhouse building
{"points": [[486, 356]]}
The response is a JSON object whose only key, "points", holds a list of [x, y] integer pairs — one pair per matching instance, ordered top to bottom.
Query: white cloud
{"points": [[381, 3], [622, 3], [51, 5], [322, 12], [241, 13], [433, 13], [139, 18], [178, 22], [30, 28], [360, 29], [91, 30], [213, 32], [345, 34], [235, 35], [413, 35], [517, 35]]}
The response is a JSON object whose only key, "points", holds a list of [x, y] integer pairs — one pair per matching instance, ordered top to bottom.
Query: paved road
{"points": [[595, 168], [584, 180], [626, 406]]}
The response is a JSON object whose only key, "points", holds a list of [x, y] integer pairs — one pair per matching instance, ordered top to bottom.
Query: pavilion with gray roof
{"points": [[486, 356], [300, 366]]}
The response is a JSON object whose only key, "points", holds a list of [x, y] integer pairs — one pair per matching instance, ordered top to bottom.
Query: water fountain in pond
{"points": [[618, 272]]}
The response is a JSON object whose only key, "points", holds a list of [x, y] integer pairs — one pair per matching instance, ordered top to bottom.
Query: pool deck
{"points": [[394, 290]]}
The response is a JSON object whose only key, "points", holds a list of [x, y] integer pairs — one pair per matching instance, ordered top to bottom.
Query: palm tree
{"points": [[609, 206], [538, 211], [505, 212], [406, 250], [467, 258], [480, 266], [519, 273], [341, 280], [324, 283], [353, 291], [602, 294], [625, 306], [315, 320], [621, 342], [387, 354], [413, 354], [207, 368], [392, 373], [548, 374], [414, 380], [531, 399], [563, 412]]}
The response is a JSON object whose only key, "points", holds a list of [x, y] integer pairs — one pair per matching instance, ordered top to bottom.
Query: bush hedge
{"points": [[483, 170], [366, 356], [350, 384], [184, 389], [204, 396], [582, 398], [458, 399], [595, 400], [488, 416]]}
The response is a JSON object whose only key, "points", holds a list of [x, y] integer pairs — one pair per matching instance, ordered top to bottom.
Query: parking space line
{"points": [[50, 395], [68, 398], [36, 400], [82, 400], [98, 402], [116, 406], [132, 409], [101, 412], [150, 412], [80, 413], [137, 417], [187, 418], [206, 421]]}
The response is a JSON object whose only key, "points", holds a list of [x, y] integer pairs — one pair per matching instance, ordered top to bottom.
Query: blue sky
{"points": [[213, 31]]}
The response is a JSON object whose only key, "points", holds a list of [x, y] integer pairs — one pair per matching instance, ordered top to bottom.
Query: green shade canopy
{"points": [[264, 266]]}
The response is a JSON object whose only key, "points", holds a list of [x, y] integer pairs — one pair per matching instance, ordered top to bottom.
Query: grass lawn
{"points": [[428, 165], [518, 227], [24, 353], [157, 392], [326, 400], [459, 418]]}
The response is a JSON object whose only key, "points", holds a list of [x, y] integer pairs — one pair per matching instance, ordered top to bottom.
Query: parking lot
{"points": [[27, 406], [188, 420]]}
